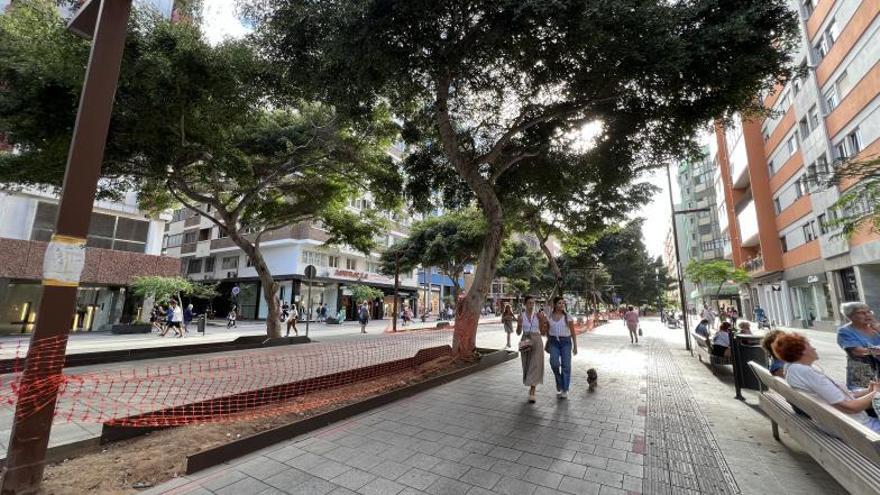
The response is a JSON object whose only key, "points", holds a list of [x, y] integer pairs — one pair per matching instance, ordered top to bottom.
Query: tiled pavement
{"points": [[477, 436]]}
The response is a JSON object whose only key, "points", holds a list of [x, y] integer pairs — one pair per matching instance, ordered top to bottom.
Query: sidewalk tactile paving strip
{"points": [[681, 455]]}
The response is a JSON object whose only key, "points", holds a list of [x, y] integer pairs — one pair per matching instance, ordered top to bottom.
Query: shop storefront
{"points": [[811, 302]]}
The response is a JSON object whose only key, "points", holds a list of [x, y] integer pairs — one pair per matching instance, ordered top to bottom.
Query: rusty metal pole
{"points": [[65, 255], [396, 291]]}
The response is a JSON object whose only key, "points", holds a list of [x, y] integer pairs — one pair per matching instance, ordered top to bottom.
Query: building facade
{"points": [[775, 212], [699, 233], [123, 243], [206, 254]]}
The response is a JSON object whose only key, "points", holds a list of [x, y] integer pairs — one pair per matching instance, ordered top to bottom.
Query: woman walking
{"points": [[631, 318], [507, 319], [529, 326], [562, 343]]}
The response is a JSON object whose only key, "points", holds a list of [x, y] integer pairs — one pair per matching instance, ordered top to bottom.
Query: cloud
{"points": [[220, 20]]}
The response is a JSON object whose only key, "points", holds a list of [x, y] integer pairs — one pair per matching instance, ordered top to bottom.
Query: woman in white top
{"points": [[529, 326], [561, 342], [801, 374]]}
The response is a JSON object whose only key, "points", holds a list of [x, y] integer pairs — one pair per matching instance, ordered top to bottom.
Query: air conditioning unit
{"points": [[231, 274]]}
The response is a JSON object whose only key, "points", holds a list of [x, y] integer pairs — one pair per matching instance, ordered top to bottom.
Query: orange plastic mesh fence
{"points": [[206, 388], [216, 388]]}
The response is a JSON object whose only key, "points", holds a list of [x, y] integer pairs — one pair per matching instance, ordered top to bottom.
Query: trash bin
{"points": [[201, 324], [748, 348]]}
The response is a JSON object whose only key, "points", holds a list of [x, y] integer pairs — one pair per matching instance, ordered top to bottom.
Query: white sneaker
{"points": [[563, 395]]}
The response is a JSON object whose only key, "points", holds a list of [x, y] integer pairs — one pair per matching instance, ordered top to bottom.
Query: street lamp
{"points": [[687, 334]]}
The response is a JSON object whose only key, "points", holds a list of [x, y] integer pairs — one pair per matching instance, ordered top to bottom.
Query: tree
{"points": [[483, 86], [195, 125], [859, 205], [450, 241], [622, 252], [522, 266], [715, 273], [163, 289], [361, 293]]}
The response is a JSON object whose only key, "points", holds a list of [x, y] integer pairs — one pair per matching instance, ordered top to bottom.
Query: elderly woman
{"points": [[860, 339], [777, 366], [801, 374]]}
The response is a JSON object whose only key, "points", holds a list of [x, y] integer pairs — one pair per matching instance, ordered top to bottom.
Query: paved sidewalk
{"points": [[647, 429]]}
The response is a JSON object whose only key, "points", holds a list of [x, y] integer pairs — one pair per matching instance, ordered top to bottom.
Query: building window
{"points": [[809, 7], [842, 85], [832, 99], [814, 118], [805, 127], [854, 142], [791, 145], [840, 150], [822, 165], [800, 188], [777, 206], [823, 223], [105, 231], [809, 233], [205, 234], [190, 237], [173, 240], [784, 244], [312, 258], [333, 261], [248, 262], [229, 263], [209, 264], [350, 264], [194, 266], [849, 284]]}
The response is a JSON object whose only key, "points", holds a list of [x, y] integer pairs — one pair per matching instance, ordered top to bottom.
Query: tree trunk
{"points": [[554, 267], [269, 286]]}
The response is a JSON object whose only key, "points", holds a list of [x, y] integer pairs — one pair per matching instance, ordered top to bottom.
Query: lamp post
{"points": [[105, 21], [396, 291], [687, 335]]}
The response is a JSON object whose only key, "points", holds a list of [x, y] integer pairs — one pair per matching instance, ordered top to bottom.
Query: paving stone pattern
{"points": [[681, 455]]}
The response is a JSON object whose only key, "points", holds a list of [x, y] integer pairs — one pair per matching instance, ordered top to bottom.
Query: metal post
{"points": [[65, 255], [396, 291], [309, 308], [687, 335], [737, 377]]}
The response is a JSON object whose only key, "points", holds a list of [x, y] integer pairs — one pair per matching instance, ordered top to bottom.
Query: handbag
{"points": [[640, 331], [525, 345]]}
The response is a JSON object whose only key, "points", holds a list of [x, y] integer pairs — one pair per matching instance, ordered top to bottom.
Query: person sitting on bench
{"points": [[702, 328], [721, 340], [777, 366], [801, 374]]}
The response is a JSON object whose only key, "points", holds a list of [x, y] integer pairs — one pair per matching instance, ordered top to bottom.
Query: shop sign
{"points": [[360, 276], [812, 279]]}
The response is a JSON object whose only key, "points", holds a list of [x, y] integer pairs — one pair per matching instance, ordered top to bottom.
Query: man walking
{"points": [[364, 316], [709, 316], [175, 319]]}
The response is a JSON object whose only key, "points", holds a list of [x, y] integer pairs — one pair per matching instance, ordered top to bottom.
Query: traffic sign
{"points": [[310, 272]]}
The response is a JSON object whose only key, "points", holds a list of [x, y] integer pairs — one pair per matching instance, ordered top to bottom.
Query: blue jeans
{"points": [[560, 347]]}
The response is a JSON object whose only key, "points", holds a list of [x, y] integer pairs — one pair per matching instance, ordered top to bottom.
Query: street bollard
{"points": [[201, 325]]}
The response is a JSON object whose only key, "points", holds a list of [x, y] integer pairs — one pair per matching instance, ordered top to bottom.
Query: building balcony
{"points": [[747, 219], [754, 265]]}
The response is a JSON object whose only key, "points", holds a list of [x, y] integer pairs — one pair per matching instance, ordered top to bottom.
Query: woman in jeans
{"points": [[529, 326], [562, 343]]}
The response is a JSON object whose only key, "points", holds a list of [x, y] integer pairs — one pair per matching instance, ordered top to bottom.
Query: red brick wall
{"points": [[24, 260]]}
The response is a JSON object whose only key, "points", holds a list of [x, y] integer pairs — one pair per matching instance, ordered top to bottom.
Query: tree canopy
{"points": [[486, 88], [195, 125], [859, 205], [450, 241], [715, 273], [163, 289]]}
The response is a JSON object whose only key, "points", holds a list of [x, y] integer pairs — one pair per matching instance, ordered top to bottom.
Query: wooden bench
{"points": [[704, 352], [845, 448]]}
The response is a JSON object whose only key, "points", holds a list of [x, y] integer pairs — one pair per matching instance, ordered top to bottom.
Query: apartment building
{"points": [[775, 215], [699, 233], [123, 243], [207, 254]]}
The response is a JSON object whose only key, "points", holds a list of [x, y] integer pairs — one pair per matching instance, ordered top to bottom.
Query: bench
{"points": [[704, 352], [848, 450]]}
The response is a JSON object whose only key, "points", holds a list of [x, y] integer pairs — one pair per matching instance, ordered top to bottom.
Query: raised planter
{"points": [[128, 328]]}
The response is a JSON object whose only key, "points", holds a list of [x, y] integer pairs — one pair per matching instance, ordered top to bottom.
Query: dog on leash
{"points": [[592, 379]]}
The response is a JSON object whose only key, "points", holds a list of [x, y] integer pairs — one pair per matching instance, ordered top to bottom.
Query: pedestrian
{"points": [[285, 311], [322, 313], [733, 315], [364, 316], [709, 316], [187, 317], [231, 317], [761, 317], [157, 318], [174, 318], [631, 318], [507, 319], [291, 321], [530, 326], [745, 328], [721, 341], [861, 342], [561, 343]]}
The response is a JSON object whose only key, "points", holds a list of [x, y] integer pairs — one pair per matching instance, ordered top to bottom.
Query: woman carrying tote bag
{"points": [[530, 347]]}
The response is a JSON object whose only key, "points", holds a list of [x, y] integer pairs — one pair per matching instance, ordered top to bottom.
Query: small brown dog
{"points": [[592, 379]]}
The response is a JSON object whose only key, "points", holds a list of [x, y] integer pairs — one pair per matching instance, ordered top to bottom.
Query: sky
{"points": [[220, 21]]}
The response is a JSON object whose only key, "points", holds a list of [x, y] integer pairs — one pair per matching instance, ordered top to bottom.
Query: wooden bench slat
{"points": [[852, 470]]}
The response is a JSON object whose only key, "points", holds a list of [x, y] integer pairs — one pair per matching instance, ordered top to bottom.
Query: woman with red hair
{"points": [[801, 374]]}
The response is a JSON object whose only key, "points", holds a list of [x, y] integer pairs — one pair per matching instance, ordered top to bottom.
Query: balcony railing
{"points": [[754, 264]]}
